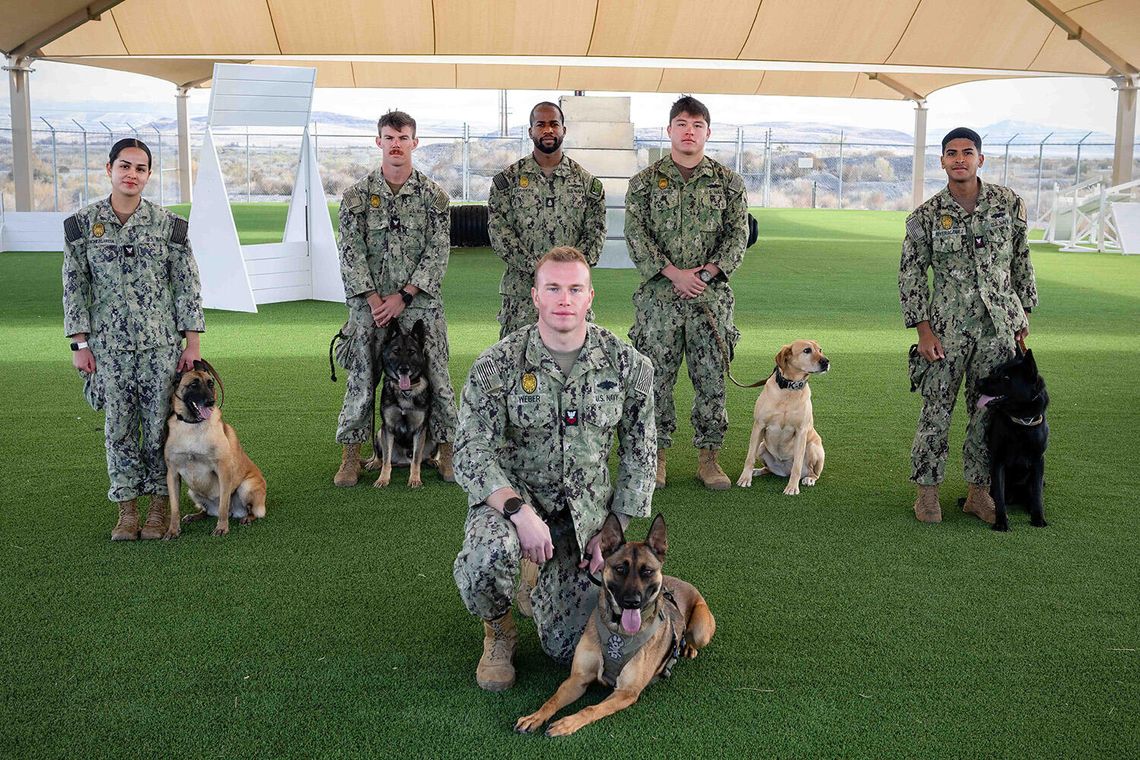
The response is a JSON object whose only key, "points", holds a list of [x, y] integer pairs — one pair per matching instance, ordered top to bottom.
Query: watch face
{"points": [[705, 275]]}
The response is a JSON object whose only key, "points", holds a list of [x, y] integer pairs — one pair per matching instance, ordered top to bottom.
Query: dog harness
{"points": [[786, 384], [620, 649]]}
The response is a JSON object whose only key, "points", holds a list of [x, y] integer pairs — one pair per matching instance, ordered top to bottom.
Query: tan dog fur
{"points": [[783, 426], [208, 456], [630, 568]]}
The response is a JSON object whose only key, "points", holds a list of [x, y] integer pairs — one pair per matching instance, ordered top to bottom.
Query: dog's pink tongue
{"points": [[405, 382], [983, 400], [204, 412], [631, 621]]}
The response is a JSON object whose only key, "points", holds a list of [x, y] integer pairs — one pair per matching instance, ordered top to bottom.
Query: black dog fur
{"points": [[405, 411], [1017, 435]]}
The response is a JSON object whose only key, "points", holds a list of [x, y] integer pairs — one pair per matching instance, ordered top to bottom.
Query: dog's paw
{"points": [[372, 465], [745, 479], [382, 481], [808, 481], [414, 483], [793, 489], [194, 516], [247, 519], [1038, 523], [1002, 525], [221, 529], [172, 532], [688, 651], [528, 723], [565, 726]]}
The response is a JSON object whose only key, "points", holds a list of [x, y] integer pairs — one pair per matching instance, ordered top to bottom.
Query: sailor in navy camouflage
{"points": [[537, 203], [973, 235], [394, 248], [131, 293], [536, 427]]}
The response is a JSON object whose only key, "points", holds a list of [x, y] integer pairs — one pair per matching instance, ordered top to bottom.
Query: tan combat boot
{"points": [[443, 463], [660, 468], [349, 471], [709, 472], [980, 504], [926, 507], [156, 519], [127, 528], [528, 577], [500, 638]]}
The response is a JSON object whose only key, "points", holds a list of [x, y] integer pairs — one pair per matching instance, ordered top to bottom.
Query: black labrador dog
{"points": [[1017, 435]]}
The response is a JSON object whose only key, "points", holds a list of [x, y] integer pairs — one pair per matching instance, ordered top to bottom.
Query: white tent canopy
{"points": [[831, 48]]}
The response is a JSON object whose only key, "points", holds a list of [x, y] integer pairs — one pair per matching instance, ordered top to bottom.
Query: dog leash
{"points": [[724, 351]]}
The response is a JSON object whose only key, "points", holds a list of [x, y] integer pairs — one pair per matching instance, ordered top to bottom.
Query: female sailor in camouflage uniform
{"points": [[130, 296]]}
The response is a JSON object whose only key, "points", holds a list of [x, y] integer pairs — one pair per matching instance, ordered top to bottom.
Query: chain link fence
{"points": [[69, 159]]}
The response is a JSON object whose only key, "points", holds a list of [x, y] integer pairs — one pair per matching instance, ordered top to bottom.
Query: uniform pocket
{"points": [[531, 410]]}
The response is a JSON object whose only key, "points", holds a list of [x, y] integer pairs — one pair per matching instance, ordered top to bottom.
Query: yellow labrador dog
{"points": [[783, 428]]}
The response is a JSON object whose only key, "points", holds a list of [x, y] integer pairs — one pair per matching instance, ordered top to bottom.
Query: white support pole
{"points": [[18, 70], [181, 96], [1125, 128], [917, 189]]}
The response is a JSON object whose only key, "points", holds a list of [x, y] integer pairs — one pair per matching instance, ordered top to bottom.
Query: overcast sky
{"points": [[1069, 102]]}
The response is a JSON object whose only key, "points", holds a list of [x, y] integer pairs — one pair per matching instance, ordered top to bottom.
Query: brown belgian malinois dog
{"points": [[203, 450], [643, 623]]}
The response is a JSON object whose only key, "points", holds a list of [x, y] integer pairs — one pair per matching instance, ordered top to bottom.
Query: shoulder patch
{"points": [[501, 181], [636, 182], [736, 184], [596, 188], [353, 199], [440, 201], [1019, 209], [914, 228], [179, 230], [71, 231], [485, 374], [643, 383]]}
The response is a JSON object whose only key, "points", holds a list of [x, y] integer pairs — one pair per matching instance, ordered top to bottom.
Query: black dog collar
{"points": [[786, 384]]}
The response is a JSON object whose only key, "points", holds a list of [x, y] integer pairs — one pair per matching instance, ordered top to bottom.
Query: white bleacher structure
{"points": [[1093, 216], [304, 265]]}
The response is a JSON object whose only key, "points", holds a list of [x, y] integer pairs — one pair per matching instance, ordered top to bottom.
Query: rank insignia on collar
{"points": [[523, 182], [663, 183], [374, 201], [550, 203], [947, 221], [98, 229], [979, 241], [529, 383], [570, 417]]}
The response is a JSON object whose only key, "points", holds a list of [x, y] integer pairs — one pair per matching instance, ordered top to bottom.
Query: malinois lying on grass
{"points": [[643, 623]]}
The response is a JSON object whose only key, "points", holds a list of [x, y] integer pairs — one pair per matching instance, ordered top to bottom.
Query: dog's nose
{"points": [[825, 364], [631, 600]]}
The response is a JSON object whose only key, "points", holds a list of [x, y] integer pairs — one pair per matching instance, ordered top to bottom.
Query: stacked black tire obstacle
{"points": [[469, 226]]}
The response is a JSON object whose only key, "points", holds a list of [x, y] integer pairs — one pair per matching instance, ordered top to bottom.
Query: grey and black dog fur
{"points": [[405, 405]]}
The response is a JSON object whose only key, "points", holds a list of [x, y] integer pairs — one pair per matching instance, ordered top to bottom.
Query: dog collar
{"points": [[786, 384], [1028, 421]]}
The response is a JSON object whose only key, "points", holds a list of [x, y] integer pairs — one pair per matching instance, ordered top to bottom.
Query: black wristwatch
{"points": [[705, 276], [406, 296], [78, 346], [512, 506]]}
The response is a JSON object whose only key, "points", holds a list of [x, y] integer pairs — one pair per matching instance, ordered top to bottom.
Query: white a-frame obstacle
{"points": [[304, 264]]}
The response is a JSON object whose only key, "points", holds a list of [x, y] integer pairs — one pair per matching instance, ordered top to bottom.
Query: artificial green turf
{"points": [[333, 627]]}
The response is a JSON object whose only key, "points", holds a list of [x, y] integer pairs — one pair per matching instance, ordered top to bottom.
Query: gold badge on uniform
{"points": [[523, 182], [662, 183], [374, 201], [947, 221], [98, 229], [529, 383]]}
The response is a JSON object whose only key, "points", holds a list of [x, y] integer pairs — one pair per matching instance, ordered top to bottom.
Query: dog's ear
{"points": [[394, 328], [418, 330], [784, 357], [1030, 362], [200, 366], [611, 537], [657, 541]]}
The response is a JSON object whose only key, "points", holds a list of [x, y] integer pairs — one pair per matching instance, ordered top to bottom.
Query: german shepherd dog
{"points": [[405, 405], [1017, 435], [205, 452], [643, 623]]}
